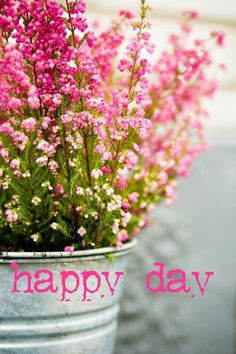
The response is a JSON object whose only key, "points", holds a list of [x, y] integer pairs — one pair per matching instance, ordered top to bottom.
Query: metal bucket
{"points": [[40, 323]]}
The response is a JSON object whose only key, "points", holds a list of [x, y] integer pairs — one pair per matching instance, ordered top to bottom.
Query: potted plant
{"points": [[89, 143]]}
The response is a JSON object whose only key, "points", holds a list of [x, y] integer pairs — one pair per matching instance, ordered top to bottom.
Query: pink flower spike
{"points": [[127, 14], [220, 37]]}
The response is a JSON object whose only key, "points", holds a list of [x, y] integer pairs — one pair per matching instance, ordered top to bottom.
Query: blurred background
{"points": [[198, 233]]}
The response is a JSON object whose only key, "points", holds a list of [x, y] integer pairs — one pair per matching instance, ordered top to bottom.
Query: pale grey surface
{"points": [[198, 233]]}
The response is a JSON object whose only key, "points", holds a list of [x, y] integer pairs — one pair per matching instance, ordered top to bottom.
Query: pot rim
{"points": [[127, 248]]}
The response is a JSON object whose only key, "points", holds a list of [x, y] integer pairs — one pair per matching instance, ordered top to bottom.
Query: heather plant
{"points": [[92, 138]]}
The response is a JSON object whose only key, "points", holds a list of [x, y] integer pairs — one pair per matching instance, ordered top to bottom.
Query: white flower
{"points": [[72, 64], [42, 161], [72, 163], [123, 172], [96, 173], [26, 174], [5, 185], [47, 185], [79, 191], [110, 191], [89, 192], [15, 198], [98, 198], [117, 199], [36, 200], [143, 205], [112, 206], [95, 215], [126, 219], [142, 223], [54, 226], [115, 228], [81, 231], [35, 237]]}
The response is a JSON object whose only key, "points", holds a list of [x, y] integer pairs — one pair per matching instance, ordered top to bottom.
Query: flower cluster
{"points": [[90, 138]]}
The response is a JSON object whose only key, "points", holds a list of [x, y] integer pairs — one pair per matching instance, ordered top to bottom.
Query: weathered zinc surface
{"points": [[40, 323]]}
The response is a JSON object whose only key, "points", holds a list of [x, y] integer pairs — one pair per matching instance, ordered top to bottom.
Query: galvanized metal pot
{"points": [[40, 323]]}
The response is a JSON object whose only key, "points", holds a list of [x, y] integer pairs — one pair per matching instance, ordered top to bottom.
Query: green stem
{"points": [[87, 158]]}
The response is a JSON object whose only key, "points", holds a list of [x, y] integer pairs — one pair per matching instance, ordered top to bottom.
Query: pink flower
{"points": [[127, 14], [192, 15], [186, 27], [146, 36], [220, 37], [90, 39], [150, 47], [124, 65], [223, 67], [33, 99], [57, 99], [66, 118], [29, 124], [43, 145], [46, 147], [4, 154], [131, 160], [15, 164], [53, 165], [106, 170], [162, 178], [121, 184], [59, 189], [133, 197], [125, 206], [11, 216], [121, 238], [69, 249]]}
